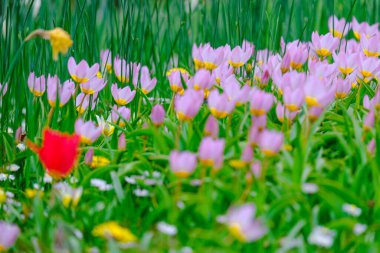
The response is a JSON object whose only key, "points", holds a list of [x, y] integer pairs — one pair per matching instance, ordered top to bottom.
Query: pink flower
{"points": [[338, 27], [363, 29], [324, 45], [371, 45], [297, 53], [239, 56], [207, 57], [106, 60], [346, 62], [368, 67], [125, 72], [82, 73], [221, 73], [261, 75], [291, 79], [175, 80], [201, 80], [147, 84], [36, 85], [93, 86], [342, 87], [3, 89], [64, 91], [236, 93], [317, 93], [122, 96], [294, 98], [83, 101], [261, 102], [219, 104], [188, 105], [314, 112], [283, 113], [121, 115], [158, 115], [369, 120], [259, 122], [211, 127], [87, 131], [254, 136], [122, 142], [270, 142], [211, 152], [182, 163], [242, 224], [8, 235]]}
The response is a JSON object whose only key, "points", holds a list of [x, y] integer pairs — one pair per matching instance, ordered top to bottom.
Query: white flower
{"points": [[21, 146], [13, 167], [156, 174], [3, 176], [11, 177], [47, 179], [130, 180], [100, 184], [309, 188], [141, 192], [352, 210], [166, 228], [359, 228], [322, 237]]}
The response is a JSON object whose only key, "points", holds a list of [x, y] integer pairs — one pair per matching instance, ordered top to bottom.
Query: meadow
{"points": [[189, 126]]}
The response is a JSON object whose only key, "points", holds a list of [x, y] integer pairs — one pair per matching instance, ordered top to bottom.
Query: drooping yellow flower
{"points": [[60, 40], [113, 230]]}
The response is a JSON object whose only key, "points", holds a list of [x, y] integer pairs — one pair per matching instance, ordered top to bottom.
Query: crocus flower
{"points": [[338, 27], [363, 29], [60, 40], [324, 45], [371, 45], [297, 53], [239, 56], [212, 58], [106, 60], [347, 62], [368, 67], [82, 72], [124, 72], [221, 73], [261, 75], [291, 79], [175, 80], [201, 80], [147, 84], [36, 85], [93, 86], [342, 87], [3, 89], [64, 91], [317, 93], [239, 95], [122, 96], [293, 98], [82, 101], [261, 102], [188, 104], [219, 104], [283, 113], [121, 115], [157, 115], [369, 120], [259, 122], [211, 127], [87, 131], [254, 136], [122, 142], [270, 142], [211, 152], [58, 153], [245, 159], [182, 163], [242, 224], [113, 230], [8, 235]]}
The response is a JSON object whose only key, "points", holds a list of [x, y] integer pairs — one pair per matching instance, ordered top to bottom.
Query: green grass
{"points": [[331, 154]]}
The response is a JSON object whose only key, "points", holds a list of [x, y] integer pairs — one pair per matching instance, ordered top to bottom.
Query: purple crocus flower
{"points": [[338, 27], [363, 29], [324, 45], [371, 45], [296, 54], [238, 56], [211, 58], [106, 60], [346, 62], [368, 67], [82, 72], [124, 72], [221, 73], [291, 79], [175, 80], [201, 80], [147, 84], [37, 85], [93, 86], [342, 87], [64, 91], [317, 93], [239, 95], [122, 96], [294, 98], [82, 101], [261, 102], [188, 104], [219, 104], [314, 112], [283, 113], [121, 114], [158, 115], [369, 120], [259, 122], [211, 127], [87, 131], [254, 136], [122, 142], [270, 142], [211, 152], [182, 163], [242, 224], [8, 235]]}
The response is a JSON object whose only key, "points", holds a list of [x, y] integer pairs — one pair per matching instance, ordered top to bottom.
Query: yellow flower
{"points": [[60, 40], [99, 161], [31, 193], [3, 196], [113, 230]]}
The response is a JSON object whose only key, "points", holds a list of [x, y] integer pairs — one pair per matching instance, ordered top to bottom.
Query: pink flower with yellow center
{"points": [[338, 27], [363, 29], [324, 45], [371, 45], [238, 56], [106, 60], [346, 62], [82, 72], [126, 72], [221, 73], [175, 80], [147, 84], [37, 85], [93, 86], [55, 88], [317, 93], [122, 96], [293, 98], [82, 102], [261, 102], [188, 104], [219, 104], [120, 115], [157, 115], [285, 115], [211, 127], [87, 131], [270, 142], [211, 152], [182, 163], [8, 235]]}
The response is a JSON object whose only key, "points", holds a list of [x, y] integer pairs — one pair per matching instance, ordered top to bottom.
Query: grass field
{"points": [[265, 140]]}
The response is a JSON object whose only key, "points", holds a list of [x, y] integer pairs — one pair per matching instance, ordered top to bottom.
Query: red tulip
{"points": [[58, 153]]}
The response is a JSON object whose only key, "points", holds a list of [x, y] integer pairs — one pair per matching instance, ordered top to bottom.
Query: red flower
{"points": [[58, 153]]}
